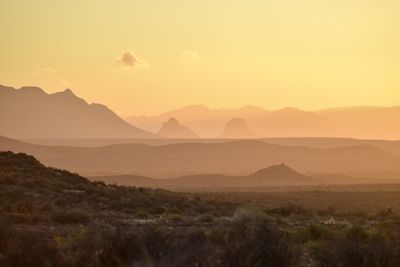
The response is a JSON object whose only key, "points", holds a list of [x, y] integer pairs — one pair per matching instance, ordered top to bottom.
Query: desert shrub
{"points": [[8, 180], [99, 183], [61, 202], [24, 206], [45, 206], [200, 208], [157, 210], [172, 210], [288, 210], [330, 211], [247, 212], [141, 213], [385, 213], [73, 216], [23, 218], [175, 218], [206, 218], [315, 232], [5, 233], [255, 242], [80, 246], [118, 246], [28, 247], [352, 247], [358, 247], [383, 248], [346, 250], [323, 252]]}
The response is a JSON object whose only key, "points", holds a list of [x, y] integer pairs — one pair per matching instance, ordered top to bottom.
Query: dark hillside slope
{"points": [[29, 186], [51, 217]]}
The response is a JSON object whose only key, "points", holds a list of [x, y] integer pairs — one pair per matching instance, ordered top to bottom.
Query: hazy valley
{"points": [[199, 133], [149, 194]]}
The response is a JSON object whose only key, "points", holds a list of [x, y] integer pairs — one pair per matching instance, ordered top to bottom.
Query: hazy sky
{"points": [[143, 57]]}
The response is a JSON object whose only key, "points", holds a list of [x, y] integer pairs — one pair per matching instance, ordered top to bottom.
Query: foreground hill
{"points": [[29, 112], [233, 157], [23, 178], [51, 217]]}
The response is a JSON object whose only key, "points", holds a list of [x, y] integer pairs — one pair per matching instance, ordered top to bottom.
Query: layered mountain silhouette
{"points": [[29, 112], [204, 121], [356, 122], [237, 128], [173, 129], [391, 146], [230, 157], [277, 175]]}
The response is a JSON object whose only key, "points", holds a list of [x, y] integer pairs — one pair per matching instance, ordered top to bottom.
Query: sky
{"points": [[149, 56]]}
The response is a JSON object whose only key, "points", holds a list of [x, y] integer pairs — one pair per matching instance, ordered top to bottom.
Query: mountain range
{"points": [[29, 112], [204, 121], [357, 122], [237, 128], [173, 129], [391, 146], [239, 157], [277, 175]]}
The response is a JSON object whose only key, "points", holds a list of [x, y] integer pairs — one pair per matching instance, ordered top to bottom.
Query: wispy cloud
{"points": [[189, 55], [130, 60], [44, 71], [51, 76]]}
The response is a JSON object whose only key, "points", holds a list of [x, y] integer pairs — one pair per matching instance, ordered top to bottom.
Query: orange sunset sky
{"points": [[144, 57]]}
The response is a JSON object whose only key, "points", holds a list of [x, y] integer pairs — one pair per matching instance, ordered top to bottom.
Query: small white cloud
{"points": [[190, 56], [130, 60], [65, 83]]}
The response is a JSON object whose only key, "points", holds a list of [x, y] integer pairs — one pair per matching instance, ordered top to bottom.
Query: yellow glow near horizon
{"points": [[309, 54]]}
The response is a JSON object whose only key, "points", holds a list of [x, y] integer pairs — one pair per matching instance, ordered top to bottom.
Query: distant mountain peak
{"points": [[31, 90], [68, 91], [37, 114], [172, 120], [237, 128], [173, 129], [276, 168]]}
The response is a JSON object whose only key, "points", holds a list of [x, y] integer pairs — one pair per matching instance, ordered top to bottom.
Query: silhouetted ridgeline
{"points": [[29, 112], [357, 122], [237, 128], [173, 129], [230, 157], [278, 175]]}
